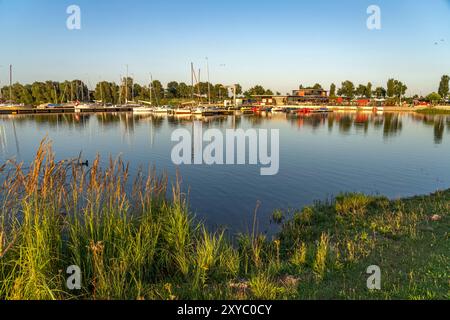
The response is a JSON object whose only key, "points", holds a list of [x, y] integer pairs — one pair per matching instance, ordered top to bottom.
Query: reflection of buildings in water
{"points": [[362, 122], [391, 123]]}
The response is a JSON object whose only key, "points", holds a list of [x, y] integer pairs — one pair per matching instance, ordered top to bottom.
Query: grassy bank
{"points": [[433, 111], [140, 245]]}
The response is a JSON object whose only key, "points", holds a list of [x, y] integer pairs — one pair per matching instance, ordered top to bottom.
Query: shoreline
{"points": [[36, 111], [152, 249]]}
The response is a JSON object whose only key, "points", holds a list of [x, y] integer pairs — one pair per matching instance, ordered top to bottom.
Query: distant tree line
{"points": [[394, 91], [46, 92], [110, 92]]}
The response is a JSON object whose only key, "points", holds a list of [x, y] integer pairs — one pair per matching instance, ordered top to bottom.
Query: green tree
{"points": [[317, 86], [444, 86], [395, 88], [172, 89], [238, 89], [347, 89], [257, 90], [333, 90], [158, 91], [184, 91], [361, 91], [380, 92], [390, 92], [38, 93], [368, 93], [434, 98]]}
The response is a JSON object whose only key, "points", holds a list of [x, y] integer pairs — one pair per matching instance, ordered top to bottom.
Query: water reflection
{"points": [[391, 124], [320, 155]]}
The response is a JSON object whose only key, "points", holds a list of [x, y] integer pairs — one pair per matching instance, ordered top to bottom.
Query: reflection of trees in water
{"points": [[108, 119], [331, 119], [114, 120], [127, 120], [257, 120], [312, 120], [428, 120], [51, 121], [175, 121], [215, 121], [317, 121], [377, 121], [158, 122], [237, 122], [345, 123], [439, 123], [392, 124], [364, 126], [439, 130]]}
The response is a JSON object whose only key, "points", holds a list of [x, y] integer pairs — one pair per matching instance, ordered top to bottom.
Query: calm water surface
{"points": [[392, 154]]}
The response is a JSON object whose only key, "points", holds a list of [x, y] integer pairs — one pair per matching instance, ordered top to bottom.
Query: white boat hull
{"points": [[142, 110]]}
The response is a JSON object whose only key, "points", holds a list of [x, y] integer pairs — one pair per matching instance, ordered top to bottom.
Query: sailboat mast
{"points": [[192, 80], [10, 83], [209, 84], [126, 88], [132, 88], [151, 88], [120, 89], [82, 90], [199, 91], [101, 92], [156, 96]]}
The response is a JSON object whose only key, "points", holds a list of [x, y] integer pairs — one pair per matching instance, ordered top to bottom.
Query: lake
{"points": [[391, 154]]}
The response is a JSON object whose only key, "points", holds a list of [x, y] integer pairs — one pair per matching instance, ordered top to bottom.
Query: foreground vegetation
{"points": [[138, 245]]}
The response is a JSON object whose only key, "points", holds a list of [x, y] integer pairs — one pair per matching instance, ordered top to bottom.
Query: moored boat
{"points": [[142, 110], [161, 110], [182, 111], [198, 111]]}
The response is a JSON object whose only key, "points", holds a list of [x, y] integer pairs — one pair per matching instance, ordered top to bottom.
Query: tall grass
{"points": [[58, 214]]}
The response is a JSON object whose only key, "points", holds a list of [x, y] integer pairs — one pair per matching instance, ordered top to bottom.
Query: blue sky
{"points": [[279, 44]]}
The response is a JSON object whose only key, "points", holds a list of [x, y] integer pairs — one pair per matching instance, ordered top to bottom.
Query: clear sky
{"points": [[278, 43]]}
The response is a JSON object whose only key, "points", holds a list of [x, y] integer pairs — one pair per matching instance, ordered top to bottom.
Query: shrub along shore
{"points": [[140, 245]]}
